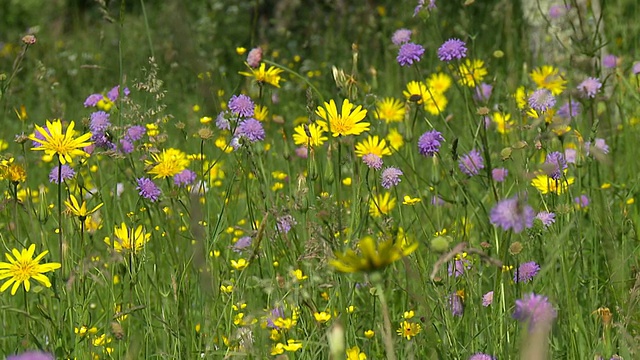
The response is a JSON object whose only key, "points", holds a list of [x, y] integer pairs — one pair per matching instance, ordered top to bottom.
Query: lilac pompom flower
{"points": [[401, 36], [452, 49], [409, 53], [590, 87], [542, 100], [241, 105], [251, 129], [429, 143], [471, 163], [66, 173], [390, 177], [184, 178], [148, 189], [512, 214], [547, 218], [526, 272], [534, 310]]}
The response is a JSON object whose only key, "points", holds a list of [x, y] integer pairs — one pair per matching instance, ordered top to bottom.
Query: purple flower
{"points": [[431, 6], [556, 11], [401, 36], [452, 49], [409, 53], [254, 57], [610, 61], [635, 69], [589, 87], [483, 92], [114, 93], [93, 100], [542, 100], [241, 105], [569, 109], [99, 121], [222, 122], [250, 129], [135, 132], [38, 135], [101, 140], [429, 142], [126, 145], [600, 145], [302, 152], [570, 155], [373, 161], [471, 163], [555, 164], [66, 173], [499, 174], [390, 177], [184, 178], [148, 190], [437, 201], [582, 201], [512, 213], [547, 218], [285, 222], [242, 243], [457, 267], [526, 272], [487, 299], [455, 304], [534, 310], [276, 313], [32, 355], [481, 356]]}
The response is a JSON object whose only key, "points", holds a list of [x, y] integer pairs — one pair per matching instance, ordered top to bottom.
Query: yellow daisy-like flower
{"points": [[472, 72], [263, 75], [548, 77], [439, 82], [416, 92], [435, 102], [390, 110], [260, 112], [348, 122], [503, 122], [309, 135], [53, 141], [396, 141], [372, 145], [168, 163], [11, 171], [546, 184], [408, 200], [381, 204], [80, 210], [128, 240], [373, 255], [22, 267], [409, 329], [354, 353]]}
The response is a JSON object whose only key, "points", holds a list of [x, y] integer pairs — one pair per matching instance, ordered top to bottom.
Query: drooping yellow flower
{"points": [[472, 72], [263, 75], [548, 77], [439, 82], [416, 92], [434, 102], [390, 110], [347, 122], [503, 122], [311, 135], [53, 141], [396, 141], [372, 145], [167, 163], [546, 184], [381, 204], [80, 210], [128, 240], [373, 255], [22, 267], [408, 329], [354, 353]]}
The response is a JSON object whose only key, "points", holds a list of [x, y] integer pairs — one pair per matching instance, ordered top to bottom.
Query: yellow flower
{"points": [[241, 50], [472, 72], [262, 75], [547, 77], [439, 82], [416, 92], [521, 98], [434, 102], [390, 110], [260, 112], [22, 113], [348, 122], [503, 122], [311, 135], [395, 139], [56, 142], [372, 145], [167, 163], [11, 171], [546, 185], [408, 200], [381, 204], [80, 210], [128, 239], [373, 255], [239, 265], [22, 267], [297, 273], [409, 314], [322, 317], [409, 329], [84, 330], [369, 334], [293, 345], [355, 354]]}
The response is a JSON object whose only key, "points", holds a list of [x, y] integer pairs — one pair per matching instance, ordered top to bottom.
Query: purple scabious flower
{"points": [[401, 36], [452, 49], [409, 53], [254, 57], [610, 61], [635, 69], [590, 87], [483, 92], [114, 93], [93, 99], [542, 100], [241, 105], [569, 109], [99, 122], [222, 122], [250, 129], [135, 132], [101, 140], [429, 142], [126, 145], [600, 145], [570, 155], [373, 161], [471, 163], [555, 165], [66, 173], [499, 174], [390, 177], [184, 178], [148, 189], [582, 201], [512, 213], [547, 218], [285, 223], [242, 243], [457, 267], [526, 272], [487, 299], [455, 304], [534, 310], [275, 314], [31, 355], [481, 356]]}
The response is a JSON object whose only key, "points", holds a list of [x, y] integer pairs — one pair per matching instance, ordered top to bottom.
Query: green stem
{"points": [[387, 337]]}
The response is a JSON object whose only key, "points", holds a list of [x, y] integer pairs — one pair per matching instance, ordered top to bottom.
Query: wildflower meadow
{"points": [[422, 179]]}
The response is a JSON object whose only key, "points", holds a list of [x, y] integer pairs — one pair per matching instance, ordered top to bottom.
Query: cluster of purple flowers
{"points": [[452, 49], [409, 53], [542, 100], [248, 129], [131, 135], [429, 142], [471, 163], [555, 164], [61, 173], [390, 177], [184, 178], [148, 189], [512, 213], [285, 223], [526, 272], [534, 310], [32, 355]]}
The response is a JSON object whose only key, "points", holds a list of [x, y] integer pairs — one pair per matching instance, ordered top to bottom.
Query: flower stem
{"points": [[387, 338]]}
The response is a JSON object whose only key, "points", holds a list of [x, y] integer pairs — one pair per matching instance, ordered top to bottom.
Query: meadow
{"points": [[328, 180]]}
